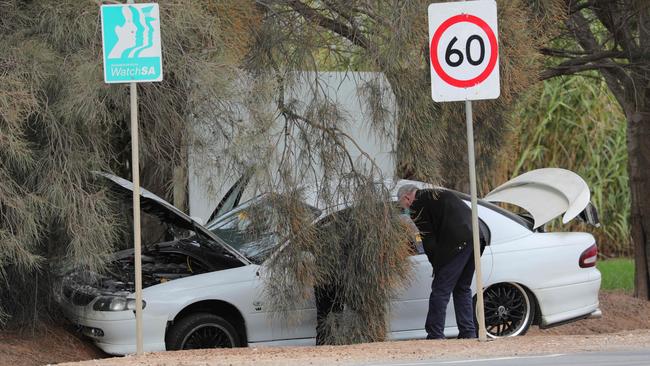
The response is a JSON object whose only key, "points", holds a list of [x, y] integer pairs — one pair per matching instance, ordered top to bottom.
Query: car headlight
{"points": [[115, 303]]}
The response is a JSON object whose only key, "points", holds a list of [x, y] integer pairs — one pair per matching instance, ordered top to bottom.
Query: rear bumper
{"points": [[563, 304], [596, 314]]}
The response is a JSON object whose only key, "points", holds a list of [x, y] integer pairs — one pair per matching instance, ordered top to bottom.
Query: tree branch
{"points": [[576, 6], [341, 11], [612, 17], [352, 34], [586, 56], [573, 69], [617, 80], [334, 133]]}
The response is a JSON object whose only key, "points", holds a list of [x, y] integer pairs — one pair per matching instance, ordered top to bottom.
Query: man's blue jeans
{"points": [[455, 276]]}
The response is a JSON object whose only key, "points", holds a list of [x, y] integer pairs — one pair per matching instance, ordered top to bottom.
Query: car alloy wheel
{"points": [[509, 310], [202, 330], [210, 335]]}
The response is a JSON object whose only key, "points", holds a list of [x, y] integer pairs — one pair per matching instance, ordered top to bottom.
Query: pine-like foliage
{"points": [[388, 37], [391, 37], [229, 69], [59, 121]]}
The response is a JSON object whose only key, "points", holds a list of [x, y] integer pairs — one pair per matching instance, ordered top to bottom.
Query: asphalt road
{"points": [[628, 358]]}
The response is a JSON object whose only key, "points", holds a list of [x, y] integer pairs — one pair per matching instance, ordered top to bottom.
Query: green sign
{"points": [[131, 39]]}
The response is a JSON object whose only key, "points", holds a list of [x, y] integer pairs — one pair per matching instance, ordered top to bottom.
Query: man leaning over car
{"points": [[445, 223]]}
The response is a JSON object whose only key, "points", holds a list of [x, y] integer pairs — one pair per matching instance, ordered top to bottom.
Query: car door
{"points": [[249, 229], [409, 308], [300, 325]]}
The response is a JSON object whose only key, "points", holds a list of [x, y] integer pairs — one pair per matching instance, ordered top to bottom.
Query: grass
{"points": [[617, 274]]}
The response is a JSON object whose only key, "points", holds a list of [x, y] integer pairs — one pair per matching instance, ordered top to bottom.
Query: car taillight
{"points": [[588, 257]]}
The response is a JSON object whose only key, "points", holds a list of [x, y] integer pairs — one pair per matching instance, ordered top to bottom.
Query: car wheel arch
{"points": [[217, 307]]}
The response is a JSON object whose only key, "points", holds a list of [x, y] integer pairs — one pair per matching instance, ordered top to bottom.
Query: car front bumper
{"points": [[114, 331], [118, 337]]}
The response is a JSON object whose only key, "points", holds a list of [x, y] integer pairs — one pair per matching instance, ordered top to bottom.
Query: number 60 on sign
{"points": [[464, 51]]}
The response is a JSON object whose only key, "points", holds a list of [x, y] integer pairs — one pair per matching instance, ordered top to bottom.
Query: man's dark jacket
{"points": [[445, 223]]}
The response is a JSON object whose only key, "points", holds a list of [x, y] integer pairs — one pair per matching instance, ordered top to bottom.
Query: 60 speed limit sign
{"points": [[464, 50]]}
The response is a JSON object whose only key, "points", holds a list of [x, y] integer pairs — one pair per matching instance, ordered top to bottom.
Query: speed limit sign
{"points": [[464, 50]]}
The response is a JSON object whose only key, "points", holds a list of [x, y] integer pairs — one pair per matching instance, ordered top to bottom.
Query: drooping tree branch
{"points": [[352, 34]]}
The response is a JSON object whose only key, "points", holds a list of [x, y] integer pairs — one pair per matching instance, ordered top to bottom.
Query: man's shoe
{"points": [[432, 337]]}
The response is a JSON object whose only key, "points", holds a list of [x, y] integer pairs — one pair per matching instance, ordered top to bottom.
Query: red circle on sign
{"points": [[433, 48]]}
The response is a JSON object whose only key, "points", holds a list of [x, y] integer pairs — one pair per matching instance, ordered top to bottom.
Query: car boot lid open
{"points": [[547, 193]]}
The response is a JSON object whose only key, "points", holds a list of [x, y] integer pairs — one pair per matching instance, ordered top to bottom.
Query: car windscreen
{"points": [[251, 230]]}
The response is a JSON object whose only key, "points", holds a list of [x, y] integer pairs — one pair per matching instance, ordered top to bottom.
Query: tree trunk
{"points": [[638, 145], [638, 148]]}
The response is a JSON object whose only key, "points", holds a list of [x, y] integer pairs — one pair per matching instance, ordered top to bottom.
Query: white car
{"points": [[202, 288]]}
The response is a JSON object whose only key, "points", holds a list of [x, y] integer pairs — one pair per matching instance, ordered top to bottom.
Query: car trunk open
{"points": [[546, 194]]}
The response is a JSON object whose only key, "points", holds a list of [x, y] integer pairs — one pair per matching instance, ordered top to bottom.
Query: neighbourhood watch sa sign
{"points": [[132, 46]]}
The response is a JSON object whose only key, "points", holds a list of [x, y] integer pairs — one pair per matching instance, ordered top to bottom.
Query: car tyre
{"points": [[509, 310], [202, 330]]}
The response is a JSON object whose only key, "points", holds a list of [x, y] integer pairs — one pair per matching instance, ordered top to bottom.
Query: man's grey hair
{"points": [[406, 189]]}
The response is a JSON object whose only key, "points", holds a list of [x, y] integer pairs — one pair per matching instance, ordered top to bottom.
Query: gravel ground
{"points": [[625, 325], [389, 351]]}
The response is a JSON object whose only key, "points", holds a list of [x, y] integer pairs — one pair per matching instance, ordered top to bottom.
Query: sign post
{"points": [[132, 54], [464, 54]]}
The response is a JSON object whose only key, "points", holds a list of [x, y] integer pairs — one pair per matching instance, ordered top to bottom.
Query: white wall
{"points": [[205, 191]]}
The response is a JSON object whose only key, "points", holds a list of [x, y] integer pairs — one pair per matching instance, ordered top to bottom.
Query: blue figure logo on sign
{"points": [[133, 37], [132, 50]]}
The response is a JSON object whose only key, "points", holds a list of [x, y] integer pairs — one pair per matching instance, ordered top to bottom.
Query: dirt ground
{"points": [[625, 326]]}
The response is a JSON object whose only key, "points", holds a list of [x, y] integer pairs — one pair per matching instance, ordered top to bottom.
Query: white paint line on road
{"points": [[502, 358], [429, 362]]}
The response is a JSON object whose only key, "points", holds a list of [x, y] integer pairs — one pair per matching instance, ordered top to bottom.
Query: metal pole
{"points": [[136, 217], [137, 246], [480, 315]]}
